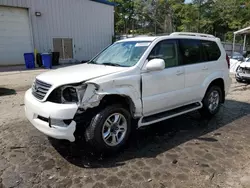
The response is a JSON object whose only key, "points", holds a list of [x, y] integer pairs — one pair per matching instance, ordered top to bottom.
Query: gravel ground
{"points": [[186, 151]]}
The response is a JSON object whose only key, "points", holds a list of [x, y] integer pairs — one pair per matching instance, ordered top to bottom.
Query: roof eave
{"points": [[105, 2], [243, 31]]}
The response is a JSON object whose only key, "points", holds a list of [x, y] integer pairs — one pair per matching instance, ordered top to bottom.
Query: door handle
{"points": [[205, 68], [179, 72]]}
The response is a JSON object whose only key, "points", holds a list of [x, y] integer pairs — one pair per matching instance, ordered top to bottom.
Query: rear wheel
{"points": [[212, 101], [109, 129]]}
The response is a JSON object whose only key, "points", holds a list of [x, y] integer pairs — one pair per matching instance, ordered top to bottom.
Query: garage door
{"points": [[15, 35]]}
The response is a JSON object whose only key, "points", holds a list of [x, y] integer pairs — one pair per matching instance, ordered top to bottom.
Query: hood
{"points": [[233, 60], [245, 64], [77, 73]]}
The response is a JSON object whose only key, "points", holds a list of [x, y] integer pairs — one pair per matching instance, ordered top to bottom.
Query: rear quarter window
{"points": [[211, 50]]}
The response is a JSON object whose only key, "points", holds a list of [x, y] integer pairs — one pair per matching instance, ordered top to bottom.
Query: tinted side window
{"points": [[211, 49], [166, 50], [191, 51]]}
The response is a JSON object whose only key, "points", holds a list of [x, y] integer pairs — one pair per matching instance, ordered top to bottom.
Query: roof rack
{"points": [[192, 34]]}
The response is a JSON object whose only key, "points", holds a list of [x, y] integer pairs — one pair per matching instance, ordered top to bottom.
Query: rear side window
{"points": [[211, 50], [191, 51]]}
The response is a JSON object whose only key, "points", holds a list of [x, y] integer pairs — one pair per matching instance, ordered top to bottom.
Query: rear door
{"points": [[200, 60], [196, 68]]}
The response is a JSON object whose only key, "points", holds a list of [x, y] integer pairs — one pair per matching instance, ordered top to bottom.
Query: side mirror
{"points": [[155, 65]]}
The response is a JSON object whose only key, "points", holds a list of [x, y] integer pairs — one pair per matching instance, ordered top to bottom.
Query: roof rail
{"points": [[192, 34]]}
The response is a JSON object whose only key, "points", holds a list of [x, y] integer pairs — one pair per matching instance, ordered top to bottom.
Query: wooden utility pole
{"points": [[199, 16]]}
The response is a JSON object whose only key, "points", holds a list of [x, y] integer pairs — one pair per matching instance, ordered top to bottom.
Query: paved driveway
{"points": [[186, 151]]}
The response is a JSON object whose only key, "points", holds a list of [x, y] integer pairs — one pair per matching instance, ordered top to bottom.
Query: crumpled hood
{"points": [[245, 64], [77, 73]]}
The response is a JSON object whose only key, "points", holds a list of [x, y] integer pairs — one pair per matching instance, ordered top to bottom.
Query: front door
{"points": [[163, 90]]}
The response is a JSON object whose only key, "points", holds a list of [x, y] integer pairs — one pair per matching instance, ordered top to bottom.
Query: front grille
{"points": [[246, 70], [40, 89]]}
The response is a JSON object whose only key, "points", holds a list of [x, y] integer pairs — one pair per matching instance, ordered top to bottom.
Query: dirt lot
{"points": [[182, 152]]}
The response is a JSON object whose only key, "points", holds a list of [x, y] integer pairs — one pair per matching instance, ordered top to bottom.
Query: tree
{"points": [[124, 11], [215, 17]]}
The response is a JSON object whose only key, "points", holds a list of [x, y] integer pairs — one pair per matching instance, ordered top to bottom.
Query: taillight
{"points": [[228, 61]]}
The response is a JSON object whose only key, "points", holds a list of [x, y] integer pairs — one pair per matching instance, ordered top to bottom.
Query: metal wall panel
{"points": [[88, 23]]}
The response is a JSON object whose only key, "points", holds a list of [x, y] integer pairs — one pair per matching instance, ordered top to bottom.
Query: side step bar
{"points": [[144, 121]]}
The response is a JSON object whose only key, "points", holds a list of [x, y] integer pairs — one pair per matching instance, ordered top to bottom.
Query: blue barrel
{"points": [[29, 59], [47, 60]]}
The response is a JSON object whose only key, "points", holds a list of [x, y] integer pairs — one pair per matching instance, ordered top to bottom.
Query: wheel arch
{"points": [[220, 83], [124, 100]]}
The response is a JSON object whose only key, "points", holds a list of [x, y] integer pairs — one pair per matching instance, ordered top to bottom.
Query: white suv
{"points": [[148, 79]]}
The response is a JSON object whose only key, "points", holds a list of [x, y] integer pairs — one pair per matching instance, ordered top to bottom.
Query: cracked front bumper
{"points": [[243, 76], [49, 117]]}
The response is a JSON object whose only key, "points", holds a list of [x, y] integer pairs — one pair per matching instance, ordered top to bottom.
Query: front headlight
{"points": [[239, 70], [67, 94]]}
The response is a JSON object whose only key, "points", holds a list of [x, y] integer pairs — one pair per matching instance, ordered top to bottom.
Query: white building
{"points": [[78, 29]]}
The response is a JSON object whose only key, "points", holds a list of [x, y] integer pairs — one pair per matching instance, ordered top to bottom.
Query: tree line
{"points": [[218, 17]]}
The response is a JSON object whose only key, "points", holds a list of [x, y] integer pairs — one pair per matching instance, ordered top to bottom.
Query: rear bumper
{"points": [[53, 113]]}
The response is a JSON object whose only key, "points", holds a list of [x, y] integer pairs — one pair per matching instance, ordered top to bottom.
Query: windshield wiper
{"points": [[91, 62], [112, 64]]}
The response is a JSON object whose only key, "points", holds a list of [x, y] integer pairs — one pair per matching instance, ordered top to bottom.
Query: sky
{"points": [[188, 1]]}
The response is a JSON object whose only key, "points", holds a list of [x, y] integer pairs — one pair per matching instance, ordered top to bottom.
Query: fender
{"points": [[209, 79], [128, 86]]}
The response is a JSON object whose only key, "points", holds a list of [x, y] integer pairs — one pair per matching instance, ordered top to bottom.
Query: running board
{"points": [[144, 121]]}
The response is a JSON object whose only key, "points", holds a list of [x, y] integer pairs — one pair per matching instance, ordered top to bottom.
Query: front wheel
{"points": [[211, 101], [109, 129]]}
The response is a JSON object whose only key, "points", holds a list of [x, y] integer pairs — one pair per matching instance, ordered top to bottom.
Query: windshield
{"points": [[124, 54]]}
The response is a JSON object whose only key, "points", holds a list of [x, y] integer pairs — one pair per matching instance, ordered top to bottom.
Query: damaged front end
{"points": [[243, 73], [84, 95], [65, 108]]}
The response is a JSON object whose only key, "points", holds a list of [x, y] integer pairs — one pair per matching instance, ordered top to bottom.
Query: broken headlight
{"points": [[239, 69], [67, 94]]}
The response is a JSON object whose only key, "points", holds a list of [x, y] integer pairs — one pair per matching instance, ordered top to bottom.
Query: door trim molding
{"points": [[169, 114]]}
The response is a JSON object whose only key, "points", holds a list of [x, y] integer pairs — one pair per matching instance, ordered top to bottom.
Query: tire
{"points": [[206, 111], [94, 133]]}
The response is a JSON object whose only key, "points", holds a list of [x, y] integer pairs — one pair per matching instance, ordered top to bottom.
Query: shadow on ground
{"points": [[241, 87], [6, 91], [155, 139]]}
